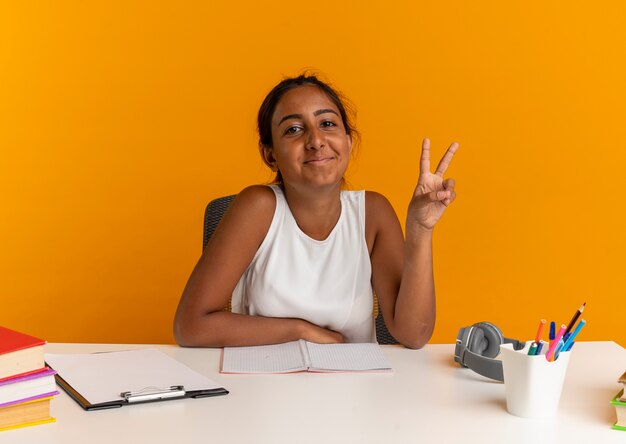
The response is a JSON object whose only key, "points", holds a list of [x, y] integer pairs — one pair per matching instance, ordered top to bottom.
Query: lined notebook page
{"points": [[347, 357], [278, 358]]}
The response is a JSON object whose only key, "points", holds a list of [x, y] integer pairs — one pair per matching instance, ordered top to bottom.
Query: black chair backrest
{"points": [[212, 216]]}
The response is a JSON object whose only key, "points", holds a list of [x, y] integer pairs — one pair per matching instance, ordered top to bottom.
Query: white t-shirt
{"points": [[325, 282]]}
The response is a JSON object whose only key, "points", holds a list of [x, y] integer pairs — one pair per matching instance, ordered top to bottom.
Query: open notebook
{"points": [[300, 356]]}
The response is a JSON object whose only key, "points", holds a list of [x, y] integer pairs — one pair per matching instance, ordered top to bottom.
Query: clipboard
{"points": [[114, 379]]}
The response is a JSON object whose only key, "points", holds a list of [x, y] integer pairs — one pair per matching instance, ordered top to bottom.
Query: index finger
{"points": [[425, 158], [444, 163]]}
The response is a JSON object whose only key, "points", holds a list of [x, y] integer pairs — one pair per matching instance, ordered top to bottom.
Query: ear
{"points": [[349, 142], [269, 159]]}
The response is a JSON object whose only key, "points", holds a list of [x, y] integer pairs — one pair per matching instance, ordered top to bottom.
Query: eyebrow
{"points": [[316, 113]]}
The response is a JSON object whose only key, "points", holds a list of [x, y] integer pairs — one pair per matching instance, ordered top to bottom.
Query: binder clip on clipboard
{"points": [[154, 394]]}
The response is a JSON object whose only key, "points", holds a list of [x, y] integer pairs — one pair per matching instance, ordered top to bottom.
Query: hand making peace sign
{"points": [[432, 194]]}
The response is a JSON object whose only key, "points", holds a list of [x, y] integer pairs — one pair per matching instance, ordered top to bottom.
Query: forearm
{"points": [[414, 314], [224, 329]]}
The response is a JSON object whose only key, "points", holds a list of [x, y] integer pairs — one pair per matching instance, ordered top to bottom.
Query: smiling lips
{"points": [[318, 161]]}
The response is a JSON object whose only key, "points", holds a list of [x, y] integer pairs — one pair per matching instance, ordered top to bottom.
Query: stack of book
{"points": [[26, 384], [619, 401]]}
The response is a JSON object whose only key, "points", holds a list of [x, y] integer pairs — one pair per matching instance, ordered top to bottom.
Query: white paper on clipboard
{"points": [[102, 377]]}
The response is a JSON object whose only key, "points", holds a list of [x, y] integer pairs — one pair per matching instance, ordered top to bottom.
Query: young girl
{"points": [[300, 257]]}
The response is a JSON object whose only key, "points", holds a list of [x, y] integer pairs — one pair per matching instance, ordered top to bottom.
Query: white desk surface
{"points": [[428, 399]]}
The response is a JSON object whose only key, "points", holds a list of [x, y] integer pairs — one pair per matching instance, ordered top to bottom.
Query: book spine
{"points": [[30, 399], [28, 424]]}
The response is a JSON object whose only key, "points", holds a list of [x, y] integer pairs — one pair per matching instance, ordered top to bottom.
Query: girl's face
{"points": [[311, 148]]}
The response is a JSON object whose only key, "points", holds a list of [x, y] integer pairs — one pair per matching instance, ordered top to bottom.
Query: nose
{"points": [[315, 140]]}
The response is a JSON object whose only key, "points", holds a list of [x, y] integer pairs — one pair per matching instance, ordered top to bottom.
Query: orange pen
{"points": [[542, 324]]}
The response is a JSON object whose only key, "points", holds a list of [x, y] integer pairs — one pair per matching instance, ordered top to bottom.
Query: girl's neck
{"points": [[315, 213]]}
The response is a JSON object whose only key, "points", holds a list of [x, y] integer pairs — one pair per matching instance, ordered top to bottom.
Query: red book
{"points": [[19, 353]]}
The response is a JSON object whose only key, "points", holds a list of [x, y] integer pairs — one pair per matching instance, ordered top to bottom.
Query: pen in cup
{"points": [[575, 317], [542, 324], [552, 332], [570, 339], [555, 342], [558, 349]]}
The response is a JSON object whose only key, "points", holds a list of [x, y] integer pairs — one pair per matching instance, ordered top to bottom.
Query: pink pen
{"points": [[559, 335]]}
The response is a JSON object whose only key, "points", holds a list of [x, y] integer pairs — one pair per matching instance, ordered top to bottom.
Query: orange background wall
{"points": [[120, 120]]}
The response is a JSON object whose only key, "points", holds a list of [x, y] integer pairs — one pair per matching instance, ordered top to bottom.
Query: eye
{"points": [[328, 124], [293, 129]]}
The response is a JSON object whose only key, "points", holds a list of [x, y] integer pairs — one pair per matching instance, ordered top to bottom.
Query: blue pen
{"points": [[552, 331], [566, 335], [571, 338], [539, 346], [559, 348]]}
